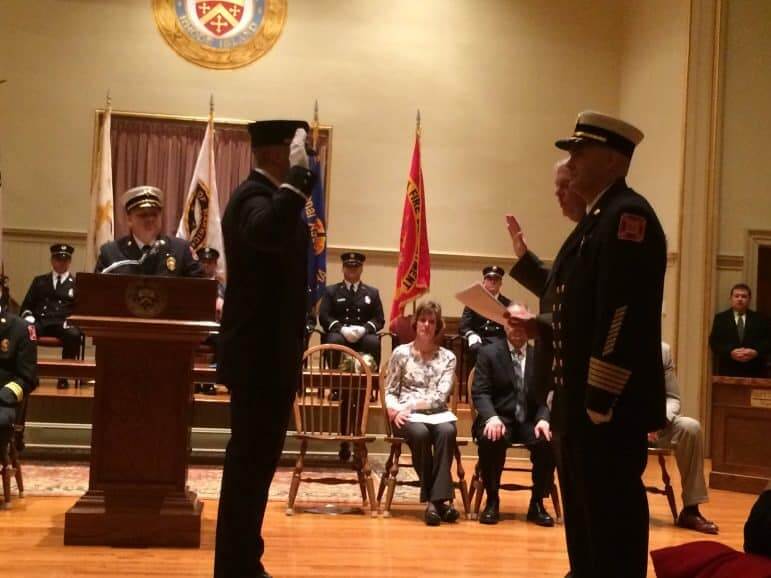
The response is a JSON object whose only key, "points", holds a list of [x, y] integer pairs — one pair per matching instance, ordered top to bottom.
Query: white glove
{"points": [[297, 155], [29, 319], [357, 332], [348, 333], [473, 339]]}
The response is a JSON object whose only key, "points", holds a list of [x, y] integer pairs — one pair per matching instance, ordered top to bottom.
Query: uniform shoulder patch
{"points": [[631, 227], [32, 332]]}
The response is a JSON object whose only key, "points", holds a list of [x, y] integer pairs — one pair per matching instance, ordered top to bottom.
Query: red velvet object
{"points": [[706, 559]]}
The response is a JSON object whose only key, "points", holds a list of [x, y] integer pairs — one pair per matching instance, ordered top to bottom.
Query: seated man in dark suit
{"points": [[158, 253], [49, 302], [351, 312], [478, 330], [740, 337], [18, 370], [507, 412], [757, 530]]}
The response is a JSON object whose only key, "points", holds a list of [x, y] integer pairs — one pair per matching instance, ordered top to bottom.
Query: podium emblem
{"points": [[220, 33], [145, 298]]}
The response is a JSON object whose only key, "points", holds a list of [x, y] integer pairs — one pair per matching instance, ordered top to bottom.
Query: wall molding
{"points": [[53, 235], [726, 262]]}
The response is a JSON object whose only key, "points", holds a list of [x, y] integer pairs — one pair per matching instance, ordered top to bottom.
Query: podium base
{"points": [[166, 519]]}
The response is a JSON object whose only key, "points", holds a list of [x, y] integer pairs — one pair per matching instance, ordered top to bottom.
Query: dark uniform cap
{"points": [[597, 128], [274, 132], [142, 197], [62, 250], [208, 254], [352, 259], [493, 271]]}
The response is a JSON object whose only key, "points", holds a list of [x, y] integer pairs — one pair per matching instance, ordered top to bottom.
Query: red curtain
{"points": [[162, 152]]}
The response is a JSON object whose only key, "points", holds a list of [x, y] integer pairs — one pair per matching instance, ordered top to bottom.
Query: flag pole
{"points": [[315, 126], [418, 131]]}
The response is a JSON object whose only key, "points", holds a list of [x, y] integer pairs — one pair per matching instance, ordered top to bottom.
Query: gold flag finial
{"points": [[109, 99], [211, 105], [417, 123], [315, 125]]}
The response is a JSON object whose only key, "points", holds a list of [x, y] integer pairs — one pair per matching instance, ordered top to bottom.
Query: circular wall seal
{"points": [[220, 33]]}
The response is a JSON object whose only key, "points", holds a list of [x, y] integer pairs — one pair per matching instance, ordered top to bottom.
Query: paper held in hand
{"points": [[480, 300], [432, 418]]}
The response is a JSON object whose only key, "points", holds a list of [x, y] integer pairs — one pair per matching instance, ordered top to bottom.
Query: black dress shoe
{"points": [[62, 384], [209, 389], [334, 395], [345, 452], [447, 512], [490, 514], [537, 514], [431, 516]]}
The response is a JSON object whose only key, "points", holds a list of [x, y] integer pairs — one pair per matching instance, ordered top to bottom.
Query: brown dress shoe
{"points": [[696, 522]]}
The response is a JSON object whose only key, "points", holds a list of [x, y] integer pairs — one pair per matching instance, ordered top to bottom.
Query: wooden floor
{"points": [[347, 544]]}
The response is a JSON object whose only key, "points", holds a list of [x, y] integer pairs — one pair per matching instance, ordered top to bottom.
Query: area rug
{"points": [[71, 479]]}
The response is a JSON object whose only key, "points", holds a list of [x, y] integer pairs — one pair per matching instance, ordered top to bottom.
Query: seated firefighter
{"points": [[145, 250], [208, 257], [49, 302], [351, 312], [478, 330], [18, 372], [504, 395]]}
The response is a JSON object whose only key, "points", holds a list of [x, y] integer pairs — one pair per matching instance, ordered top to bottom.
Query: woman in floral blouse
{"points": [[420, 380]]}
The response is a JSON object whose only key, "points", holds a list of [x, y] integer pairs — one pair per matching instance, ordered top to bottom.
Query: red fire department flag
{"points": [[413, 276]]}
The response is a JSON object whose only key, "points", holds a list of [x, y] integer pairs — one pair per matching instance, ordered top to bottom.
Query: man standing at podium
{"points": [[156, 253], [262, 333]]}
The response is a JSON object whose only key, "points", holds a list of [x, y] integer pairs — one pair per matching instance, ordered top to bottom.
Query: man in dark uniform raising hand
{"points": [[607, 283], [262, 333]]}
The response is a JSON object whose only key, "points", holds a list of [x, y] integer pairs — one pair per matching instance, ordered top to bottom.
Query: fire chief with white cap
{"points": [[607, 285]]}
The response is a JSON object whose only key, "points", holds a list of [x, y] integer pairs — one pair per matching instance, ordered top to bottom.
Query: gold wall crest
{"points": [[220, 33]]}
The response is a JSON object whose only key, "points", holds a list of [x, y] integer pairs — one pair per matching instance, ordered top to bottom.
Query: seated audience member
{"points": [[159, 254], [208, 257], [49, 302], [351, 312], [478, 330], [740, 337], [18, 369], [420, 381], [507, 412], [683, 435], [757, 530]]}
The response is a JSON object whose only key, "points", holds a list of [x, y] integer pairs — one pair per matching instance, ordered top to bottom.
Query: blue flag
{"points": [[317, 250]]}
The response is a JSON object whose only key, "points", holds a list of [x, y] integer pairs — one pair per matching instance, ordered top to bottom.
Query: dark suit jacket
{"points": [[174, 258], [48, 306], [338, 308], [606, 321], [262, 332], [724, 338], [494, 391]]}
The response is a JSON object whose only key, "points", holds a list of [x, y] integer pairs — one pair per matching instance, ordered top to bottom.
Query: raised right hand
{"points": [[517, 236]]}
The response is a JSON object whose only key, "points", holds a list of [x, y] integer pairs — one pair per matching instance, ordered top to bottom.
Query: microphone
{"points": [[155, 247]]}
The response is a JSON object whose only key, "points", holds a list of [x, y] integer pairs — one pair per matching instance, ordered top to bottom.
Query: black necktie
{"points": [[57, 282], [351, 291], [740, 327]]}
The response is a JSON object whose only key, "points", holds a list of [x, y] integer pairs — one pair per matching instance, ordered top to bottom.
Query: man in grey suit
{"points": [[683, 435]]}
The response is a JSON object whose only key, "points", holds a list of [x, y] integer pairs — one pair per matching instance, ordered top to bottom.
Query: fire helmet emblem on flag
{"points": [[220, 33]]}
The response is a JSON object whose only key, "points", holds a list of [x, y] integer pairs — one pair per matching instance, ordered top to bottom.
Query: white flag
{"points": [[200, 221], [102, 226]]}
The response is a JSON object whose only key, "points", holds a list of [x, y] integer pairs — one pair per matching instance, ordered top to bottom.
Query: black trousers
{"points": [[70, 337], [369, 343], [259, 416], [433, 449], [492, 458], [604, 501]]}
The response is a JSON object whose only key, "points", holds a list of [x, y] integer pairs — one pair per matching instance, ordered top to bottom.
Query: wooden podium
{"points": [[145, 330], [741, 428]]}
